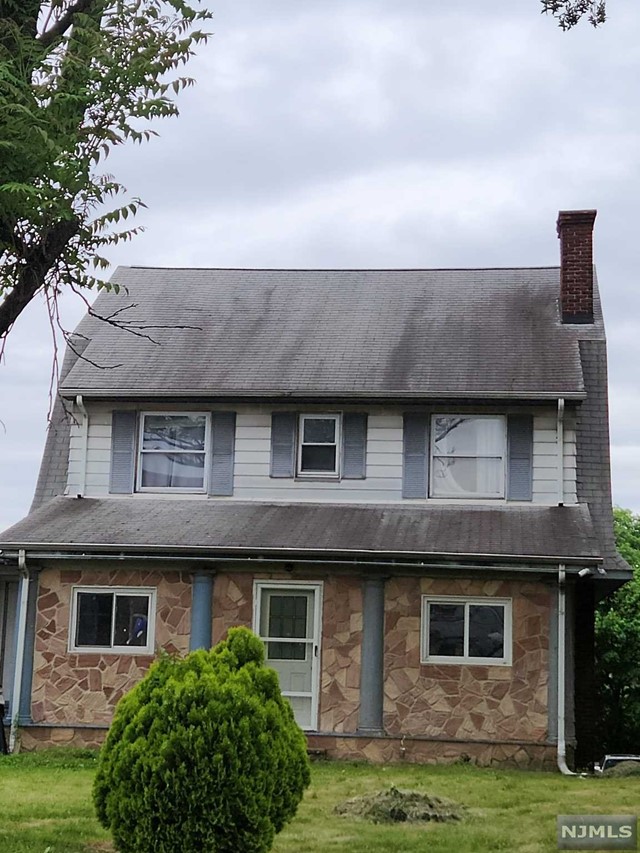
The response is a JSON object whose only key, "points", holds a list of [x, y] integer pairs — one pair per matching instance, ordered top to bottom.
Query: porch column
{"points": [[201, 610], [372, 662], [24, 708]]}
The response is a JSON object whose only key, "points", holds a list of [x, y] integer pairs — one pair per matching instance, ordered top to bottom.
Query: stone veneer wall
{"points": [[232, 602], [340, 642], [341, 648], [71, 687], [466, 702], [386, 750]]}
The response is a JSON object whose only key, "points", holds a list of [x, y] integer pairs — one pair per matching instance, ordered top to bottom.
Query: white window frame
{"points": [[311, 416], [206, 453], [433, 455], [150, 593], [505, 660]]}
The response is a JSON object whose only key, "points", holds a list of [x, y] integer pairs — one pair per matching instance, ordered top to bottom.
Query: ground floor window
{"points": [[118, 619], [456, 629]]}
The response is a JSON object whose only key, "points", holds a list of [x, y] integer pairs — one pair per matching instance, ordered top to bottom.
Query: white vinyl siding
{"points": [[545, 459], [383, 482]]}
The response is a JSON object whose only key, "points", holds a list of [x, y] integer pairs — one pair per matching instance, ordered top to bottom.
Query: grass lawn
{"points": [[45, 805]]}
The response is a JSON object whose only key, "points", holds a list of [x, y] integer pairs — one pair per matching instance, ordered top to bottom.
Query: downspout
{"points": [[560, 440], [84, 444], [562, 619], [20, 638]]}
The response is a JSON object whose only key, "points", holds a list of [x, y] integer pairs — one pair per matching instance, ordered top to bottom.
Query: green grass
{"points": [[45, 804]]}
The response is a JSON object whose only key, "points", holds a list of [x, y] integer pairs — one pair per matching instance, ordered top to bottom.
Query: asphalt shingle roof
{"points": [[381, 333], [219, 526]]}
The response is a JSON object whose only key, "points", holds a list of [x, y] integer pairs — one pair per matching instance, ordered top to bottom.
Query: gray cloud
{"points": [[365, 134]]}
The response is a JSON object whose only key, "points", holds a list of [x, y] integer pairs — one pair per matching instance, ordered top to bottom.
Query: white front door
{"points": [[287, 620]]}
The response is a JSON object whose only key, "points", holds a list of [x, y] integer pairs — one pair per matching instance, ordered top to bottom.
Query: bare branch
{"points": [[39, 260]]}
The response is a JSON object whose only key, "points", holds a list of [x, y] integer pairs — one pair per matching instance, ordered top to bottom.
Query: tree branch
{"points": [[64, 22], [38, 261]]}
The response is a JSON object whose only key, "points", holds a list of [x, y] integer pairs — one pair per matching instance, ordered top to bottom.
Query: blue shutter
{"points": [[223, 427], [283, 444], [354, 446], [123, 451], [415, 458], [520, 464]]}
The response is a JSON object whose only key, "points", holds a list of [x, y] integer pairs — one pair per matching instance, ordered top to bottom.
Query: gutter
{"points": [[55, 551], [121, 551], [562, 621], [20, 642]]}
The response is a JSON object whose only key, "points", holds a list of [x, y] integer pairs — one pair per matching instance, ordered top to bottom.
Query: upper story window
{"points": [[318, 445], [172, 451], [468, 456], [112, 619], [466, 630]]}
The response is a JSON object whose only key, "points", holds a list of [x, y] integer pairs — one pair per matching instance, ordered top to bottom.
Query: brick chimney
{"points": [[575, 230]]}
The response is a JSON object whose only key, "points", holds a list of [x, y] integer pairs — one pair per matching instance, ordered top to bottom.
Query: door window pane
{"points": [[288, 616]]}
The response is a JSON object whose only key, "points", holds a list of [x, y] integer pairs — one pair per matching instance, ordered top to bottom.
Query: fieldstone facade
{"points": [[341, 647], [83, 688], [466, 702], [486, 714]]}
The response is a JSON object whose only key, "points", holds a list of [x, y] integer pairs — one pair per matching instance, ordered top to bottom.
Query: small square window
{"points": [[318, 446], [173, 452], [468, 454], [112, 619], [459, 630]]}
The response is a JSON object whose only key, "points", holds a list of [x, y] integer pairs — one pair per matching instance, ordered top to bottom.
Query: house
{"points": [[399, 478]]}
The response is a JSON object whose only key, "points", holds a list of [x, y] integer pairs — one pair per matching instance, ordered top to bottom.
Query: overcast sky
{"points": [[376, 134]]}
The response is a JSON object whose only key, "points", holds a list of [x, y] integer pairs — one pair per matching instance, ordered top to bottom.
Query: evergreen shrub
{"points": [[203, 755]]}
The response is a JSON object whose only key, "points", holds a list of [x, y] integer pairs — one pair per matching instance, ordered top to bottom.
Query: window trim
{"points": [[504, 456], [316, 475], [171, 490], [148, 592], [426, 658]]}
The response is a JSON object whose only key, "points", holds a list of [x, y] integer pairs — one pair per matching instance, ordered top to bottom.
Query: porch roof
{"points": [[136, 525]]}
